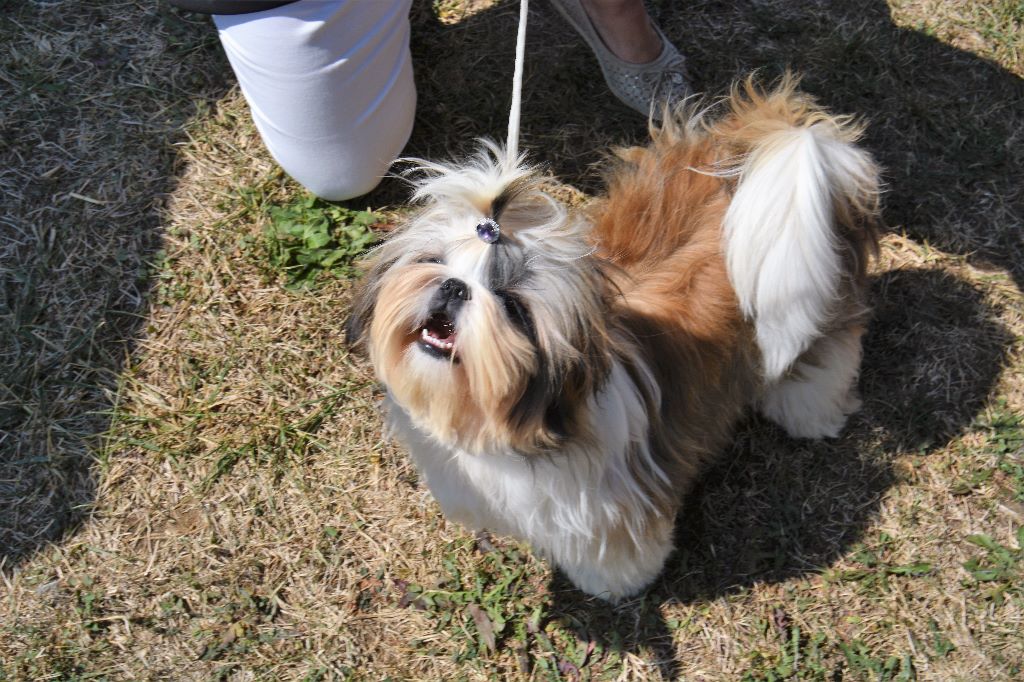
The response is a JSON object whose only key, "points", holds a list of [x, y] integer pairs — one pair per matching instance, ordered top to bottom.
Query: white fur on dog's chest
{"points": [[478, 491], [576, 493], [569, 505]]}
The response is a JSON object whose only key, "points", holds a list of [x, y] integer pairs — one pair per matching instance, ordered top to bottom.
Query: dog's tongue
{"points": [[441, 327]]}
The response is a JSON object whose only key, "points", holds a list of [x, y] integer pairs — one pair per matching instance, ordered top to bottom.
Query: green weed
{"points": [[310, 237], [1004, 431], [294, 437], [1006, 440], [876, 569], [999, 569], [496, 606], [244, 620], [940, 643], [816, 657], [799, 658], [864, 665]]}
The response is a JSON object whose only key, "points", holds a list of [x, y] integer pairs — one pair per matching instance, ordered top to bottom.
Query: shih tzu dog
{"points": [[564, 377]]}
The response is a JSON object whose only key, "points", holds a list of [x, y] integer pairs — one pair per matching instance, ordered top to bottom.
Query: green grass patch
{"points": [[310, 238], [1006, 440], [272, 446], [875, 569], [1000, 569], [490, 606], [498, 608], [244, 621], [803, 656], [798, 657], [865, 665]]}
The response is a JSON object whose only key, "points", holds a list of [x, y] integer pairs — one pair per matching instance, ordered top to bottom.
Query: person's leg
{"points": [[626, 28], [641, 67], [330, 86]]}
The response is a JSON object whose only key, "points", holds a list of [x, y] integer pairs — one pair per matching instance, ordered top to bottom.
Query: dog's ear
{"points": [[364, 302], [362, 313], [354, 327], [572, 365], [553, 402], [549, 410]]}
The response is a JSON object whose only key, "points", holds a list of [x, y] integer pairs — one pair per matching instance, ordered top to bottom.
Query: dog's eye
{"points": [[430, 259], [517, 312]]}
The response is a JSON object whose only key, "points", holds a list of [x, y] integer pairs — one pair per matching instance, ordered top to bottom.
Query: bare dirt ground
{"points": [[193, 479]]}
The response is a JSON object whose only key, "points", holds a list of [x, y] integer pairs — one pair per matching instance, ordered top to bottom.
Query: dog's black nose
{"points": [[454, 288]]}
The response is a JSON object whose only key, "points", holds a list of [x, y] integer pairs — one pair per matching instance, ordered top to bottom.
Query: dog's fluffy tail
{"points": [[802, 220]]}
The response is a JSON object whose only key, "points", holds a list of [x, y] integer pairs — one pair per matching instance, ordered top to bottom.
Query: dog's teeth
{"points": [[428, 338]]}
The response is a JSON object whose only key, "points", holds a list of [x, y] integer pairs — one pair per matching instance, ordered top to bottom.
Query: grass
{"points": [[310, 238], [193, 479]]}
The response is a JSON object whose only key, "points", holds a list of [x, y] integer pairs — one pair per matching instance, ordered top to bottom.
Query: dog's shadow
{"points": [[776, 508]]}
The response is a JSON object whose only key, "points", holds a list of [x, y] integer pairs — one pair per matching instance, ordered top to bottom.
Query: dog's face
{"points": [[486, 345]]}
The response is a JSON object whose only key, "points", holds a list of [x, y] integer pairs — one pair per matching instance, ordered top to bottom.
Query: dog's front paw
{"points": [[619, 573]]}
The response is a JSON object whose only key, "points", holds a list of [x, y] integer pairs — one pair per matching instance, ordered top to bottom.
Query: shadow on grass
{"points": [[100, 97], [944, 123], [777, 508]]}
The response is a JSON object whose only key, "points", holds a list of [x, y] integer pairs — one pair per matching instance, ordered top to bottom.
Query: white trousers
{"points": [[330, 86]]}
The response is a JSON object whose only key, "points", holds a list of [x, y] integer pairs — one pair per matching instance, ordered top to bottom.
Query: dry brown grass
{"points": [[193, 479]]}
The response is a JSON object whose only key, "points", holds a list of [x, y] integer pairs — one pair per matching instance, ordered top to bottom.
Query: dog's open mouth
{"points": [[437, 337]]}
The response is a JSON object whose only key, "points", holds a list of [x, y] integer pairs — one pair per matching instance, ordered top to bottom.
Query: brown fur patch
{"points": [[661, 226]]}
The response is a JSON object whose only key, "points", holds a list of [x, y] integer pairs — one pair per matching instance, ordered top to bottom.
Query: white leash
{"points": [[512, 144], [488, 229]]}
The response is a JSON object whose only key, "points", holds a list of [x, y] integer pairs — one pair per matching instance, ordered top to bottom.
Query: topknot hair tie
{"points": [[488, 230]]}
